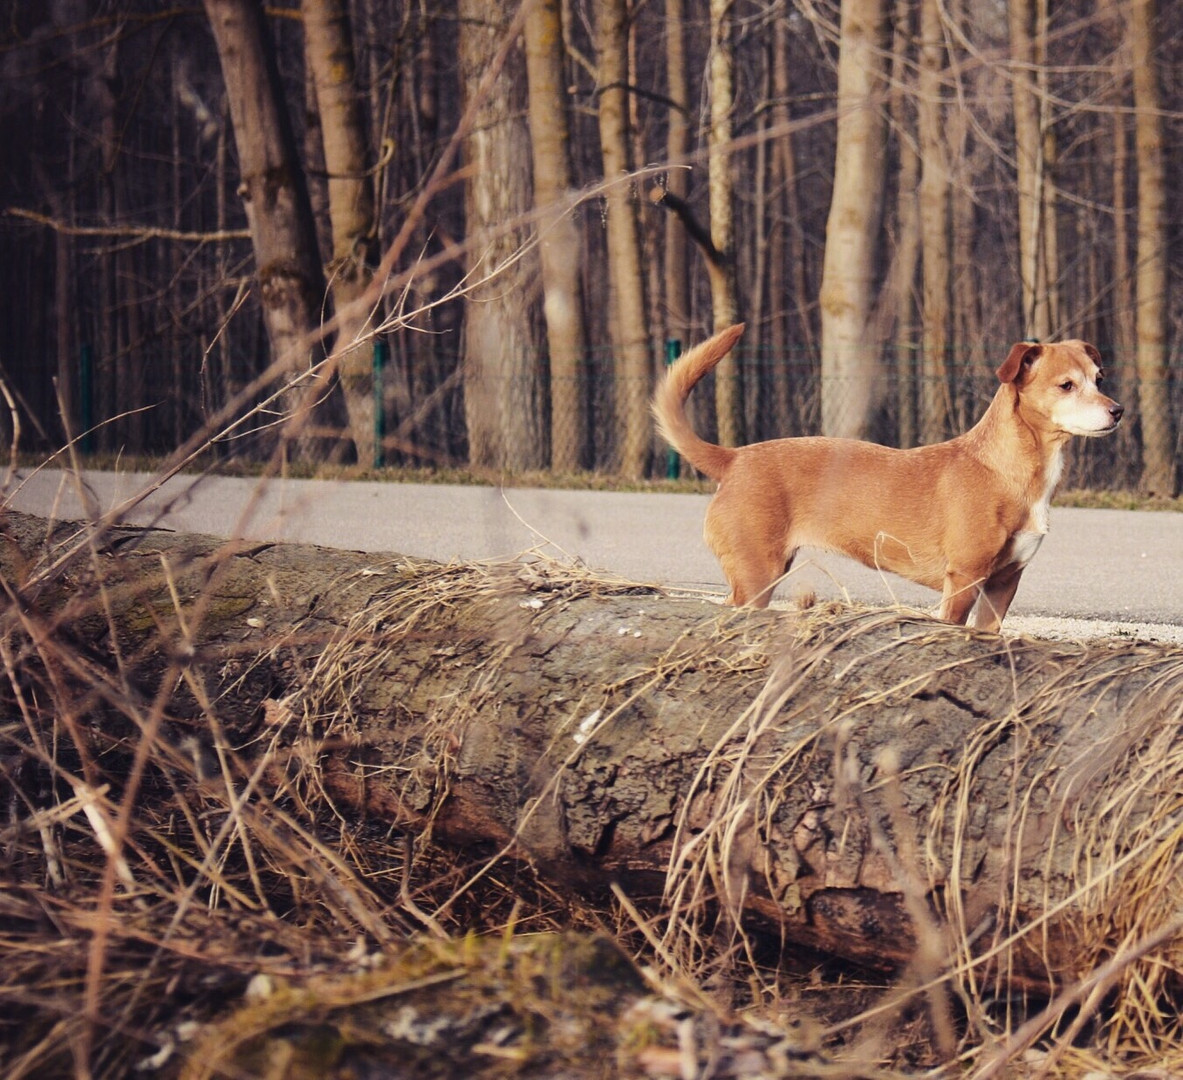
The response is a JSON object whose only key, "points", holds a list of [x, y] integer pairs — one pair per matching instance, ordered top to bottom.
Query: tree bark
{"points": [[328, 45], [677, 180], [274, 195], [1035, 199], [934, 225], [559, 247], [676, 250], [899, 299], [724, 302], [792, 332], [1124, 335], [850, 361], [631, 368], [503, 386], [1158, 458], [818, 775]]}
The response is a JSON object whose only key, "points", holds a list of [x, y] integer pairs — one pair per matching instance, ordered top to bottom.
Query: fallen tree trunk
{"points": [[871, 784]]}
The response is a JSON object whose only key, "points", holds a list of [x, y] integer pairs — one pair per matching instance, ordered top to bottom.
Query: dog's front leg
{"points": [[997, 594], [958, 596]]}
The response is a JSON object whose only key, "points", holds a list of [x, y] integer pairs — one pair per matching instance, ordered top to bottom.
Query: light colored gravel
{"points": [[1042, 626]]}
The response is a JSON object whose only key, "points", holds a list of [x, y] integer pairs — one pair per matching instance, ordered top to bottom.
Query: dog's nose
{"points": [[1116, 411]]}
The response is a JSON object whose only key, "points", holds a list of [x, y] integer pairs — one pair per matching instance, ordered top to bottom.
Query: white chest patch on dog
{"points": [[1024, 545]]}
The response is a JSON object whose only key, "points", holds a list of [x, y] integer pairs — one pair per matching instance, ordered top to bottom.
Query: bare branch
{"points": [[137, 232]]}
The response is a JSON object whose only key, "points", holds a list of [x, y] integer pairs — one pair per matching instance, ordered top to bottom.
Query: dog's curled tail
{"points": [[670, 400]]}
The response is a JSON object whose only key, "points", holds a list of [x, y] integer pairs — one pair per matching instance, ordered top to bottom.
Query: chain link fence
{"points": [[782, 396], [532, 425]]}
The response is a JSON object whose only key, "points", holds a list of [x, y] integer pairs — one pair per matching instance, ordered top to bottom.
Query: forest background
{"points": [[472, 231]]}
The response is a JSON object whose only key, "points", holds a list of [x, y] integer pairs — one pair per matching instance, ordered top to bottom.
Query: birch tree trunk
{"points": [[328, 40], [934, 225], [559, 248], [291, 286], [724, 303], [850, 363], [631, 368], [503, 386], [1158, 459]]}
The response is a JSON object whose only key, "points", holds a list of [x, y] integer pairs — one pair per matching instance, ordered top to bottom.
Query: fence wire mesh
{"points": [[782, 394], [517, 417]]}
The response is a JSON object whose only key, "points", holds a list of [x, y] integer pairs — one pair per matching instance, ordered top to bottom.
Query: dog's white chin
{"points": [[1092, 433]]}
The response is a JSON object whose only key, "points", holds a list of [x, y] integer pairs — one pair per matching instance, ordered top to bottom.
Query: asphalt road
{"points": [[1108, 566]]}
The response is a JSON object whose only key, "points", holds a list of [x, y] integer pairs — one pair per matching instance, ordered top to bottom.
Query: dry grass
{"points": [[1114, 803], [169, 900]]}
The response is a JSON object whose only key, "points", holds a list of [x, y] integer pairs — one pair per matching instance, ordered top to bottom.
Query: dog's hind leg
{"points": [[752, 577]]}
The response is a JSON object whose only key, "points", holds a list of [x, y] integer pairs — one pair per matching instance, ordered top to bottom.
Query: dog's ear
{"points": [[1094, 354], [1022, 356]]}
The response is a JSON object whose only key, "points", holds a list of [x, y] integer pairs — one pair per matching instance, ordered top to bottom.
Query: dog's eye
{"points": [[1067, 385]]}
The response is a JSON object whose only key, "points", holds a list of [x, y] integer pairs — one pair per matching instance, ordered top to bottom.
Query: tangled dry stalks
{"points": [[182, 892]]}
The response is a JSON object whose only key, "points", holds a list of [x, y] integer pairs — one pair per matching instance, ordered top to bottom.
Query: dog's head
{"points": [[1060, 384]]}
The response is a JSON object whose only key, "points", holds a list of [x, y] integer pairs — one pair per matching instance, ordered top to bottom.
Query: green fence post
{"points": [[673, 349], [381, 355], [86, 398]]}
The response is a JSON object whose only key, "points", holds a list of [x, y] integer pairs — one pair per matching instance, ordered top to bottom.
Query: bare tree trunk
{"points": [[328, 41], [934, 225], [677, 247], [560, 248], [788, 248], [906, 257], [1035, 266], [291, 286], [724, 303], [1124, 334], [970, 343], [850, 362], [632, 365], [106, 374], [130, 378], [503, 385], [756, 418], [1158, 459]]}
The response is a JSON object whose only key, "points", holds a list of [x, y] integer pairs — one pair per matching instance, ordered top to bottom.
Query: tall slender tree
{"points": [[1027, 23], [328, 46], [934, 224], [559, 247], [287, 264], [676, 278], [724, 302], [899, 305], [791, 333], [1123, 335], [849, 355], [631, 371], [503, 385], [1158, 459]]}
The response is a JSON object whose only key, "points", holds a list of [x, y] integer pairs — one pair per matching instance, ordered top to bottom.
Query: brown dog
{"points": [[964, 516]]}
